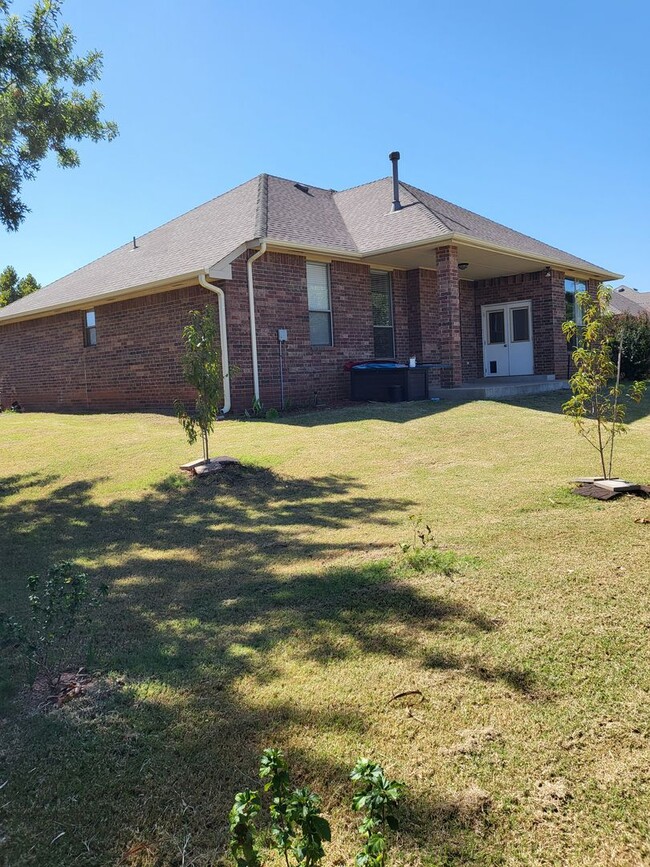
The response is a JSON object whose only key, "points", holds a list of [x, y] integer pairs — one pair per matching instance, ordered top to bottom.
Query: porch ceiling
{"points": [[483, 264]]}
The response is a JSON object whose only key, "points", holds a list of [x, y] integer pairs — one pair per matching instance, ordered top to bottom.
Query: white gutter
{"points": [[251, 306], [223, 338]]}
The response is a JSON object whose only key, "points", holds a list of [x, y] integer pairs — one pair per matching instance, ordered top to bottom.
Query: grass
{"points": [[272, 605]]}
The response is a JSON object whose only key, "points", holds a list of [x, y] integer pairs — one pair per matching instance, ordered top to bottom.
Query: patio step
{"points": [[500, 390]]}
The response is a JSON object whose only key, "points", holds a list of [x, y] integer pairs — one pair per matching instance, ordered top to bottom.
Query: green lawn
{"points": [[271, 605]]}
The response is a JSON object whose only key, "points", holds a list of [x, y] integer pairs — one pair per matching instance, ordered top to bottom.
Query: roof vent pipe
{"points": [[394, 158]]}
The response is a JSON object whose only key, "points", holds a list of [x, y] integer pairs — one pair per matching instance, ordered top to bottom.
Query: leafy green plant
{"points": [[42, 102], [635, 333], [201, 364], [597, 405], [257, 409], [272, 414], [57, 633], [377, 797], [297, 826], [242, 828], [298, 830]]}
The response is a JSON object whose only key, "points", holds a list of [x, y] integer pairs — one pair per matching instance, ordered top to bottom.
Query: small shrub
{"points": [[635, 345], [272, 414], [57, 634], [377, 797]]}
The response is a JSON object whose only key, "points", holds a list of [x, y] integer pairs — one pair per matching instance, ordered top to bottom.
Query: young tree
{"points": [[42, 108], [12, 288], [202, 369], [597, 405]]}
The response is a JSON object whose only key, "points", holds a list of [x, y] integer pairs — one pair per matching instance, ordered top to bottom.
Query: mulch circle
{"points": [[596, 492]]}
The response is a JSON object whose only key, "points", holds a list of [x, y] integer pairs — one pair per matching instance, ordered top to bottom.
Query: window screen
{"points": [[572, 288], [318, 299], [382, 314], [520, 325], [497, 326], [90, 330]]}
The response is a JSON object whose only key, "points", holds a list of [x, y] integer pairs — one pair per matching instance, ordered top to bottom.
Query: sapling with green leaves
{"points": [[202, 369], [598, 402], [57, 633], [377, 797], [297, 826], [242, 828], [298, 830]]}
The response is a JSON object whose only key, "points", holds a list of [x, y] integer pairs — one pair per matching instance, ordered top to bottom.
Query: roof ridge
{"points": [[294, 182], [358, 186], [262, 207], [442, 217], [500, 225]]}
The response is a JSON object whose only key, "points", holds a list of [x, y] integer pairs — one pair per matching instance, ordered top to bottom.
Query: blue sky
{"points": [[533, 114]]}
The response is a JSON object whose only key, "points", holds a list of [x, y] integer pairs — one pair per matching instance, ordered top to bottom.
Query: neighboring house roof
{"points": [[356, 222], [627, 300]]}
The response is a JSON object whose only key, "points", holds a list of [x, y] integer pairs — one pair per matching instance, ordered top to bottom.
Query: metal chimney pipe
{"points": [[394, 158]]}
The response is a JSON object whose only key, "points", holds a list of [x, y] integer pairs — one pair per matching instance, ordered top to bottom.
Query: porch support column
{"points": [[449, 316]]}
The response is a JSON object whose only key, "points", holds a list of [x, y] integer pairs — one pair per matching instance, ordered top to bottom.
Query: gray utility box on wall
{"points": [[388, 383]]}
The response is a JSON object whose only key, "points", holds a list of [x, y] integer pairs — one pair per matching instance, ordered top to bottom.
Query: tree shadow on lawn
{"points": [[552, 402], [210, 582]]}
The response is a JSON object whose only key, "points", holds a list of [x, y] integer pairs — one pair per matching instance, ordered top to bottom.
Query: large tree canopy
{"points": [[42, 106], [12, 287]]}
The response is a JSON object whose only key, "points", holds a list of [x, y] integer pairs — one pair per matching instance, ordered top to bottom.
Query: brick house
{"points": [[383, 270]]}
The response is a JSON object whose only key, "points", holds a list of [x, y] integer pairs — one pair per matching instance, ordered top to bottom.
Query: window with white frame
{"points": [[319, 303], [382, 314], [90, 329]]}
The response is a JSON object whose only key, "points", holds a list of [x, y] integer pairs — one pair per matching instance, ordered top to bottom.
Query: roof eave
{"points": [[468, 240], [222, 270], [104, 298]]}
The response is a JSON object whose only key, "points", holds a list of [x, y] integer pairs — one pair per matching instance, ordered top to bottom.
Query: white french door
{"points": [[507, 339]]}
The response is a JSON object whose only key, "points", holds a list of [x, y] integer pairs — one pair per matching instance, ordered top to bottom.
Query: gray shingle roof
{"points": [[357, 221], [189, 243], [627, 300]]}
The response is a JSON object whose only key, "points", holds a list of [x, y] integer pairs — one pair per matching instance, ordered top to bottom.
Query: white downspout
{"points": [[251, 306], [223, 338]]}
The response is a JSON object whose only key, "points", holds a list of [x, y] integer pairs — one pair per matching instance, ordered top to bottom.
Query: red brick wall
{"points": [[547, 296], [449, 316], [471, 340], [136, 363], [311, 373]]}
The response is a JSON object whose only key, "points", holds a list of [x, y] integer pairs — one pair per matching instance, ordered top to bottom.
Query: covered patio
{"points": [[490, 317]]}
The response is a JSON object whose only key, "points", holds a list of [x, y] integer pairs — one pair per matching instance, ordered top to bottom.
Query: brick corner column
{"points": [[449, 313], [560, 348]]}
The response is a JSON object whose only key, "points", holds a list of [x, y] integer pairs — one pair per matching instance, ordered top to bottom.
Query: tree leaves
{"points": [[42, 106], [12, 288], [201, 365], [597, 405]]}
